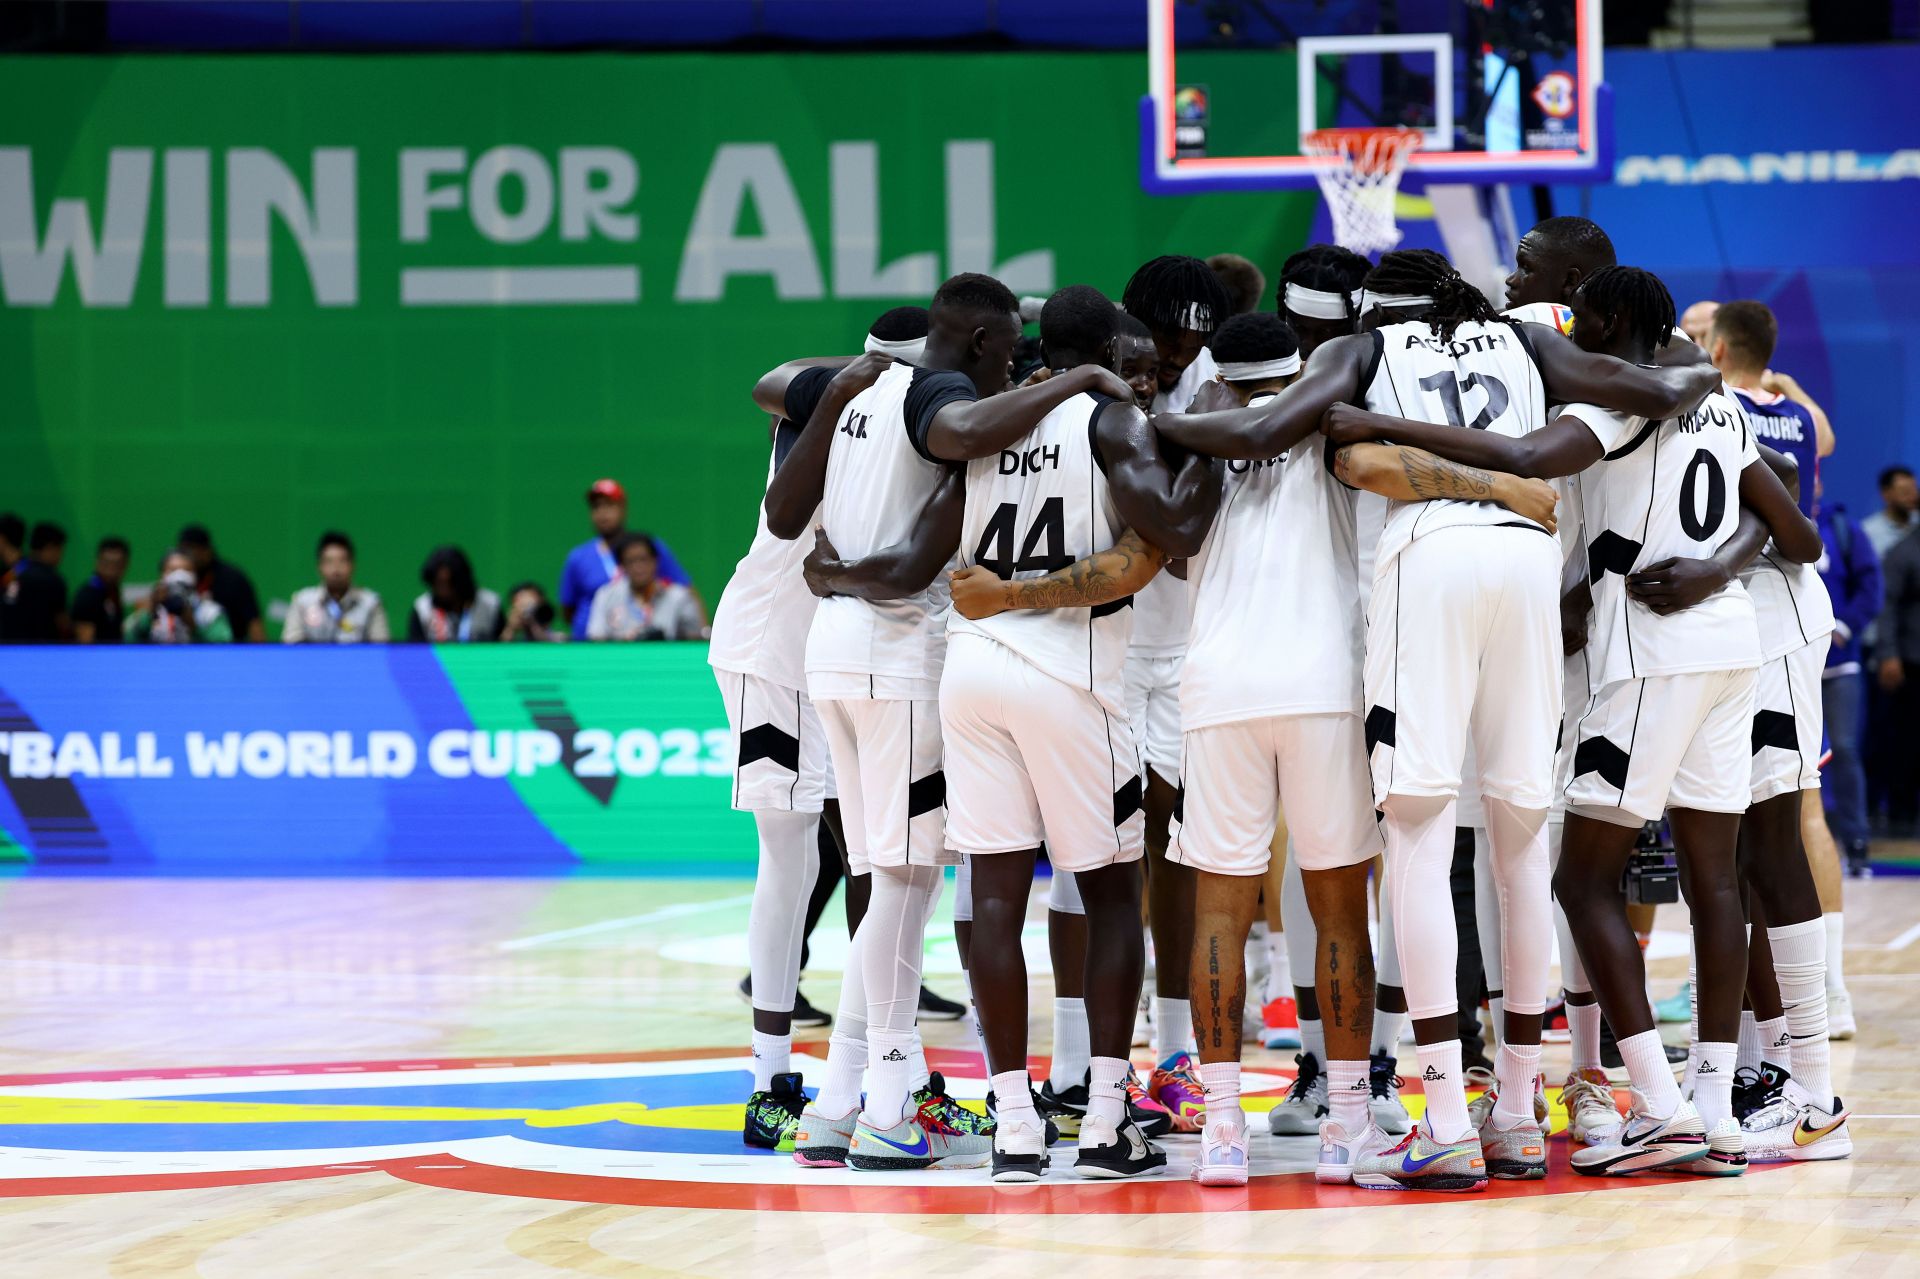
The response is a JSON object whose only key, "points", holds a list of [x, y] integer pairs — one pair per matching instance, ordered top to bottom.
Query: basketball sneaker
{"points": [[935, 1007], [1677, 1009], [1282, 1023], [1840, 1023], [1173, 1085], [1753, 1089], [1305, 1105], [1482, 1106], [1063, 1110], [937, 1112], [1388, 1112], [993, 1113], [774, 1114], [1592, 1117], [1154, 1119], [1793, 1126], [822, 1142], [1646, 1144], [908, 1147], [1108, 1151], [1339, 1152], [1726, 1152], [1019, 1153], [1514, 1154], [1223, 1155], [1418, 1162]]}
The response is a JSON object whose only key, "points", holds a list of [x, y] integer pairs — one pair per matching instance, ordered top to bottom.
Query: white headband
{"points": [[1369, 299], [1318, 304], [907, 350], [1260, 370]]}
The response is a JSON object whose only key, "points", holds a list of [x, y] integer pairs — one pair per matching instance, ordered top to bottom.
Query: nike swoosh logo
{"points": [[1805, 1136], [920, 1147], [1409, 1164]]}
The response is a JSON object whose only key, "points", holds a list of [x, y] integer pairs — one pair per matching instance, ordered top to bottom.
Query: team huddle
{"points": [[1226, 608]]}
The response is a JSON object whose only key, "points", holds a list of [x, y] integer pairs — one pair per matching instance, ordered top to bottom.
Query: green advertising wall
{"points": [[256, 291]]}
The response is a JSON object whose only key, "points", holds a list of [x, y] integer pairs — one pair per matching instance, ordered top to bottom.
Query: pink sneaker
{"points": [[1173, 1085], [1155, 1120]]}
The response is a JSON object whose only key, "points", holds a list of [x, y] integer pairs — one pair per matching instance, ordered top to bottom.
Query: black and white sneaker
{"points": [[939, 1008], [804, 1013], [1063, 1110], [993, 1113], [1108, 1152], [1019, 1153]]}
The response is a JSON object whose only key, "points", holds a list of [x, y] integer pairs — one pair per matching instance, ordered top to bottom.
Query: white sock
{"points": [[1836, 925], [1799, 966], [1279, 969], [1497, 1014], [1172, 1027], [1583, 1027], [1386, 1032], [1070, 1039], [1313, 1039], [1776, 1045], [1748, 1047], [772, 1055], [1646, 1059], [890, 1067], [1515, 1067], [846, 1068], [1692, 1071], [918, 1076], [1221, 1082], [1713, 1086], [1348, 1092], [1446, 1093], [1013, 1097], [1106, 1099]]}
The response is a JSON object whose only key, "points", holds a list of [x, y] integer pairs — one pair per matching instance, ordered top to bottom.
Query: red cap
{"points": [[606, 488]]}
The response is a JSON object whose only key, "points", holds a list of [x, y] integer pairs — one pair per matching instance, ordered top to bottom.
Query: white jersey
{"points": [[1482, 378], [877, 484], [1665, 490], [1037, 507], [1280, 559], [1791, 600], [1162, 617], [760, 625]]}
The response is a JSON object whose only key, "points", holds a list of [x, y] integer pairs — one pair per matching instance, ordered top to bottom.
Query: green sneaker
{"points": [[1678, 1010], [938, 1112], [773, 1115]]}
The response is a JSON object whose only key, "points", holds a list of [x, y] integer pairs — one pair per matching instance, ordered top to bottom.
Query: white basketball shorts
{"points": [[1463, 640], [1153, 707], [1787, 722], [1663, 741], [1031, 759], [780, 760], [1238, 778], [893, 794]]}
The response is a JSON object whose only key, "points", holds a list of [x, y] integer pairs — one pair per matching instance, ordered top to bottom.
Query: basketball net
{"points": [[1359, 174]]}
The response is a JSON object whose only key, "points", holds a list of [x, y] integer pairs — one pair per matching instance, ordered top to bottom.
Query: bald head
{"points": [[1697, 320]]}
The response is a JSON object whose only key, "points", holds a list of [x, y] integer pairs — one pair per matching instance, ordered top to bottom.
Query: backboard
{"points": [[1502, 91]]}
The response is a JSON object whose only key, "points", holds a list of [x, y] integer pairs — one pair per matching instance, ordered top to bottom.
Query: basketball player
{"points": [[1181, 302], [1138, 360], [1446, 569], [873, 672], [1263, 735], [781, 766]]}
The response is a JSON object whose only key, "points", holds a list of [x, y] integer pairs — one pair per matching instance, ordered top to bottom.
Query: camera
{"points": [[177, 593], [1652, 877]]}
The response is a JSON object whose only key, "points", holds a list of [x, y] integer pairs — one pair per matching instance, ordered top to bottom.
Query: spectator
{"points": [[1244, 282], [1899, 500], [46, 547], [592, 564], [1851, 572], [225, 584], [33, 599], [637, 605], [97, 608], [453, 609], [336, 611], [175, 612], [530, 616], [1898, 746]]}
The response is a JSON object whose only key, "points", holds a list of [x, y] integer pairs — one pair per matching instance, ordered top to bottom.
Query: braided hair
{"points": [[1327, 268], [1424, 272], [1173, 292], [1636, 298]]}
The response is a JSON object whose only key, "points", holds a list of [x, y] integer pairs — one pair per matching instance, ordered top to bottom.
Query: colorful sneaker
{"points": [[1677, 1010], [1282, 1019], [1840, 1023], [1554, 1028], [1173, 1085], [1305, 1105], [1482, 1106], [1063, 1110], [938, 1112], [1389, 1112], [773, 1115], [1592, 1117], [1154, 1119], [1795, 1127], [822, 1142], [1646, 1144], [907, 1147], [1110, 1152], [1339, 1152], [1726, 1152], [1019, 1153], [1223, 1154], [1514, 1154], [1418, 1162]]}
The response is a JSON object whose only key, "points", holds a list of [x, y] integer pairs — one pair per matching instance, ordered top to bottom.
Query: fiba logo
{"points": [[1554, 94], [1190, 103]]}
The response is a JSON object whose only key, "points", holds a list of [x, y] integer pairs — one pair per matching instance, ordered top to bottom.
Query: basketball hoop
{"points": [[1359, 174]]}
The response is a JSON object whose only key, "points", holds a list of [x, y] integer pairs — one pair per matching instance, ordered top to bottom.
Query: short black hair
{"points": [[1579, 239], [1327, 268], [1424, 272], [1244, 282], [1174, 292], [972, 293], [1636, 297], [1080, 319], [902, 324], [1128, 327], [1749, 328], [1254, 338], [1892, 473], [13, 529], [46, 533], [193, 535], [334, 537], [632, 538], [113, 542], [455, 561], [529, 585]]}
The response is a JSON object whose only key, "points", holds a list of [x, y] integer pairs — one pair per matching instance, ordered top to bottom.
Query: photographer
{"points": [[637, 605], [455, 608], [175, 613], [530, 616]]}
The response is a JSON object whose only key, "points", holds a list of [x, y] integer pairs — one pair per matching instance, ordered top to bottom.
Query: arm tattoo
{"points": [[1432, 476], [1094, 580]]}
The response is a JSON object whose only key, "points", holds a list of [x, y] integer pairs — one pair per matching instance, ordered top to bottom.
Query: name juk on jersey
{"points": [[1491, 340], [856, 425], [1030, 461]]}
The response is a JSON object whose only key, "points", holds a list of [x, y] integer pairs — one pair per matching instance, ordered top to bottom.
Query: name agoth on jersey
{"points": [[1491, 340]]}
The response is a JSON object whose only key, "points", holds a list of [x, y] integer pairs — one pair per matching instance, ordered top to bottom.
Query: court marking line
{"points": [[627, 921], [1905, 939]]}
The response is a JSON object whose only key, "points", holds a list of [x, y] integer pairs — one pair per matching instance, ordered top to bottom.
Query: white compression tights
{"points": [[789, 865], [1522, 876], [890, 942]]}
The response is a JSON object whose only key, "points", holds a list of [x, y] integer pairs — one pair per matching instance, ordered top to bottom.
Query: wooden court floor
{"points": [[344, 1078]]}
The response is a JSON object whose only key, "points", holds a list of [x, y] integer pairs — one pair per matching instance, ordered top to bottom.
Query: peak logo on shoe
{"points": [[894, 1054], [1433, 1075], [917, 1148]]}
